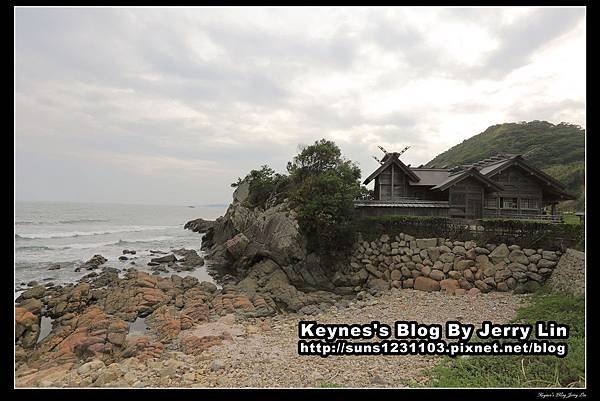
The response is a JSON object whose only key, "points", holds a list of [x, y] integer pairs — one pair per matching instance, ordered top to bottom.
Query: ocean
{"points": [[68, 234]]}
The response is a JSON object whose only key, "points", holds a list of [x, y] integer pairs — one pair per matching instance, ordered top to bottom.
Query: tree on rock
{"points": [[265, 186], [323, 187]]}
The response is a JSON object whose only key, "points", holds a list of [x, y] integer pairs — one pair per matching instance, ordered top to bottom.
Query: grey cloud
{"points": [[404, 39], [520, 40], [248, 44], [98, 54], [85, 77], [545, 110]]}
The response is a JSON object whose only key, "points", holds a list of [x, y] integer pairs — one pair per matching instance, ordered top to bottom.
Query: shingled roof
{"points": [[471, 172], [430, 176]]}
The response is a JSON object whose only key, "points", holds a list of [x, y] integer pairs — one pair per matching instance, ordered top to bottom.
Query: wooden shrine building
{"points": [[504, 186]]}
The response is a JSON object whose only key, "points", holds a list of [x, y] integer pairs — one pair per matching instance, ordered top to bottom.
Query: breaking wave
{"points": [[74, 221], [70, 234], [91, 245], [33, 248]]}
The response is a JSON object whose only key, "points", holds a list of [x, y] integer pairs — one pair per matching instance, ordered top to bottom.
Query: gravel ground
{"points": [[263, 352], [270, 359]]}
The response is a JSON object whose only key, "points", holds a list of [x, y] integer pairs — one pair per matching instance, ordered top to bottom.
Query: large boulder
{"points": [[241, 192], [200, 226], [246, 236], [424, 243], [237, 245], [499, 253], [549, 255], [518, 256], [190, 258], [165, 259], [95, 262], [544, 263], [310, 275], [437, 275], [266, 277], [426, 284], [449, 285], [482, 286], [36, 292], [138, 296], [71, 299], [27, 328], [92, 333], [143, 348]]}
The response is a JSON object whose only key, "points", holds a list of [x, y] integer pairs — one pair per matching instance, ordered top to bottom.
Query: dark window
{"points": [[458, 199], [508, 203], [528, 203]]}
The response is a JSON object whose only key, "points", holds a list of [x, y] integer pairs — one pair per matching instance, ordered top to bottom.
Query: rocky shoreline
{"points": [[93, 320], [164, 327], [196, 335]]}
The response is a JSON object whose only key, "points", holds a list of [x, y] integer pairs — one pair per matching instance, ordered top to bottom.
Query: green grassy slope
{"points": [[558, 150], [528, 370]]}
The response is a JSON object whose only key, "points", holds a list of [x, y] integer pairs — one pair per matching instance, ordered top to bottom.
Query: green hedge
{"points": [[525, 233], [530, 233]]}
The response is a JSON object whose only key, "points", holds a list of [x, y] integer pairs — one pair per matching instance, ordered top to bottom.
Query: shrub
{"points": [[264, 185], [321, 186], [324, 186], [418, 226], [525, 233]]}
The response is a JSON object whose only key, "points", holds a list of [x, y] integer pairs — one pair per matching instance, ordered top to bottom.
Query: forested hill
{"points": [[558, 150]]}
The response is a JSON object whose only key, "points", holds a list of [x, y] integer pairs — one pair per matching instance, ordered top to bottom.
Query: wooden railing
{"points": [[401, 202]]}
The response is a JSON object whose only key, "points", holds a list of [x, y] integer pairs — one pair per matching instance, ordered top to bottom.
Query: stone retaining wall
{"points": [[433, 264]]}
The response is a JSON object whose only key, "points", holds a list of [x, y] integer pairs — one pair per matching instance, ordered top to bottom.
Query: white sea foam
{"points": [[44, 223], [69, 234], [91, 245]]}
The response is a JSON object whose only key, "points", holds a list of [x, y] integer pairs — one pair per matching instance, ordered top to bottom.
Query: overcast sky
{"points": [[169, 106]]}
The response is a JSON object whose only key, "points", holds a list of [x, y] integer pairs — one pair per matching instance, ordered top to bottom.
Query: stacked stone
{"points": [[433, 264]]}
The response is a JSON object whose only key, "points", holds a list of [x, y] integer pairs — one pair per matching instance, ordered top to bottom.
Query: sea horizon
{"points": [[211, 205], [67, 234]]}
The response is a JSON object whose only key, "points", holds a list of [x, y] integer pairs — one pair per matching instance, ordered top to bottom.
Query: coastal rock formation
{"points": [[200, 226], [265, 251], [164, 259], [189, 259], [95, 262], [137, 295], [70, 299], [90, 318], [167, 323], [27, 328], [78, 336], [143, 348]]}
